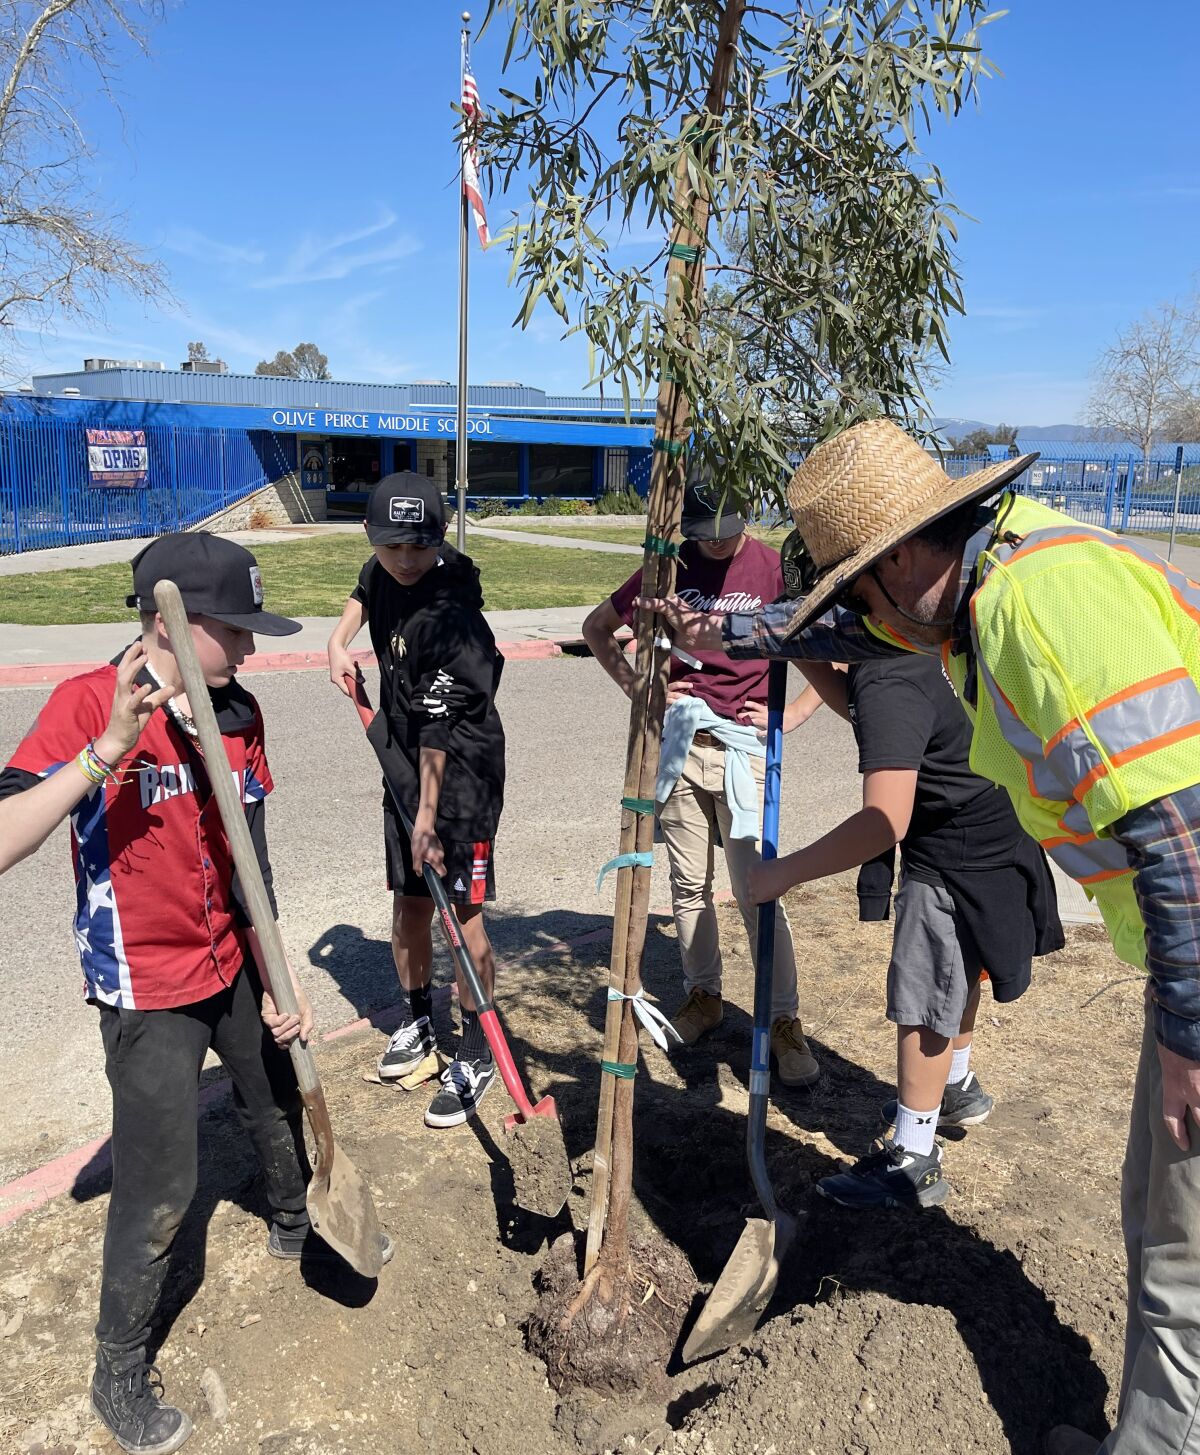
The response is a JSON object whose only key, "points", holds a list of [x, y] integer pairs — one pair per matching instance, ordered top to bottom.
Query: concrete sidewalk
{"points": [[571, 543], [107, 553], [33, 654]]}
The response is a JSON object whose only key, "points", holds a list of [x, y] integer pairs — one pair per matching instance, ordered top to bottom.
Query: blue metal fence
{"points": [[1115, 489], [46, 498]]}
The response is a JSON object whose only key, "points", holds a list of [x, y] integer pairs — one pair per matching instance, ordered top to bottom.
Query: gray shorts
{"points": [[935, 961]]}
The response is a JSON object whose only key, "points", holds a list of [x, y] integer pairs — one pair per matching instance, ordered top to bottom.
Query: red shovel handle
{"points": [[437, 889]]}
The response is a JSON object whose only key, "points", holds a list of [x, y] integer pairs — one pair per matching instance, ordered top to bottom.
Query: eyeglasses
{"points": [[848, 599]]}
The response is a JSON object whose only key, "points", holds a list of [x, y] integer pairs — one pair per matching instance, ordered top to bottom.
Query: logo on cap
{"points": [[703, 493], [405, 510], [256, 585]]}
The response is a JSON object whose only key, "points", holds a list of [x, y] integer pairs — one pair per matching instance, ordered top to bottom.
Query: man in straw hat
{"points": [[1076, 654]]}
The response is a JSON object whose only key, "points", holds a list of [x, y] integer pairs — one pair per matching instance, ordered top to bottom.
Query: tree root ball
{"points": [[620, 1335]]}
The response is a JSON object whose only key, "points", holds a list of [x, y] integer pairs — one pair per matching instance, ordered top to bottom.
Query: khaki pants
{"points": [[697, 802], [1160, 1212]]}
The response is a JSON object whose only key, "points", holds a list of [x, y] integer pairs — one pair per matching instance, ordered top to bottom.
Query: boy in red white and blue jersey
{"points": [[165, 944]]}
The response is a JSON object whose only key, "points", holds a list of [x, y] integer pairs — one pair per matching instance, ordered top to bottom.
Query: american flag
{"points": [[470, 157]]}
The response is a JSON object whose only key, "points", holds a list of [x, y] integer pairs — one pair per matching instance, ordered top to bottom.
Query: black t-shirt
{"points": [[439, 671], [906, 715]]}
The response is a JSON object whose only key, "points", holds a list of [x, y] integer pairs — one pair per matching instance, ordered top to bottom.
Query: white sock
{"points": [[960, 1064], [915, 1129]]}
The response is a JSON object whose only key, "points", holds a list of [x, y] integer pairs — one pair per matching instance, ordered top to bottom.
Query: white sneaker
{"points": [[406, 1050]]}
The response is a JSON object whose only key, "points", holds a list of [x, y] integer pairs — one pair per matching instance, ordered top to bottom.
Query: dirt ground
{"points": [[1006, 1304]]}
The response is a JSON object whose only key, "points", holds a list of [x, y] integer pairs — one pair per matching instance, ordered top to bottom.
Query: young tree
{"points": [[796, 129], [843, 231], [64, 246], [305, 361], [1146, 376]]}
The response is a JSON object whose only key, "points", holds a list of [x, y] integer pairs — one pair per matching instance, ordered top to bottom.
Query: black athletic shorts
{"points": [[470, 868]]}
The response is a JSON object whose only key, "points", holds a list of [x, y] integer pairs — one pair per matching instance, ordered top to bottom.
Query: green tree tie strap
{"points": [[686, 251], [669, 447], [660, 547], [638, 805], [625, 861], [649, 1015], [626, 1070]]}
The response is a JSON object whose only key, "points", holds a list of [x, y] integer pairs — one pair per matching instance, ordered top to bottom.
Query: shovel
{"points": [[538, 1154], [340, 1206], [748, 1280]]}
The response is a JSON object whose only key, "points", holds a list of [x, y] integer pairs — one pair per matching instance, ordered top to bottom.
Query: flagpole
{"points": [[460, 431]]}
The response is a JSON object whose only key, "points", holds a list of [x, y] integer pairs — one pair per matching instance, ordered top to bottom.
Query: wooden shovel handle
{"points": [[233, 816]]}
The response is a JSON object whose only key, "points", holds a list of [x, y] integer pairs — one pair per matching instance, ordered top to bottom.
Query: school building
{"points": [[125, 451]]}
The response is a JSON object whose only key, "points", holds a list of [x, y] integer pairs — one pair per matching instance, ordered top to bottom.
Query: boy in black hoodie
{"points": [[438, 726]]}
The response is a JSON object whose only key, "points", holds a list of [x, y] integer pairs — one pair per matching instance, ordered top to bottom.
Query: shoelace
{"points": [[787, 1034], [404, 1036], [460, 1076], [145, 1383]]}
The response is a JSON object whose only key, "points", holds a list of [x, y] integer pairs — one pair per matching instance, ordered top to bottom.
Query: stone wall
{"points": [[436, 451], [282, 502]]}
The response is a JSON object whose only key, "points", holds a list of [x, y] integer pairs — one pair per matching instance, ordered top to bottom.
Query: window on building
{"points": [[353, 463], [492, 469], [560, 470]]}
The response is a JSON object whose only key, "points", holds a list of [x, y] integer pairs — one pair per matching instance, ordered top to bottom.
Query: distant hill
{"points": [[952, 428]]}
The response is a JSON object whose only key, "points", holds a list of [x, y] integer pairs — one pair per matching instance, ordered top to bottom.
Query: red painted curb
{"points": [[41, 673]]}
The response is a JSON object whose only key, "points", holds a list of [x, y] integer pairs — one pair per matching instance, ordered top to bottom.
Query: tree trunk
{"points": [[612, 1182]]}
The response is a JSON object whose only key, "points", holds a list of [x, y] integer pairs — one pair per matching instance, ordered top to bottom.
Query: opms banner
{"points": [[117, 457]]}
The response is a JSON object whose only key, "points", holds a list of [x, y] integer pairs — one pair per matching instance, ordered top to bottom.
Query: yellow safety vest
{"points": [[1087, 647]]}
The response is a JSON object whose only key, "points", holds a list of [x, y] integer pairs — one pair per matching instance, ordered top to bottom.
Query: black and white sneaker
{"points": [[406, 1050], [464, 1085], [964, 1104], [889, 1176]]}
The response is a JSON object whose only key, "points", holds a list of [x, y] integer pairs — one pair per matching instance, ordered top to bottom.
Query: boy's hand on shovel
{"points": [[426, 848], [285, 1028]]}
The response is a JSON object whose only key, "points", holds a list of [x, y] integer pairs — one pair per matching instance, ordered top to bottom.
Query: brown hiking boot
{"points": [[699, 1014], [796, 1062]]}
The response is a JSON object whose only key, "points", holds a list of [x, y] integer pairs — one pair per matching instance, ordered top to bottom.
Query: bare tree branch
{"points": [[61, 250]]}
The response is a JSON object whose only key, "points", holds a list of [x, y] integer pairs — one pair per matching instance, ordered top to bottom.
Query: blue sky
{"points": [[292, 166]]}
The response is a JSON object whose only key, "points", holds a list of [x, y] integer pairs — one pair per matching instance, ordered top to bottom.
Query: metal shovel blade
{"points": [[541, 1169], [340, 1206], [744, 1289]]}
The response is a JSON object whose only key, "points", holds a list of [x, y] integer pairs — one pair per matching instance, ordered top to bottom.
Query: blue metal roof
{"points": [[177, 386], [415, 423], [1104, 451]]}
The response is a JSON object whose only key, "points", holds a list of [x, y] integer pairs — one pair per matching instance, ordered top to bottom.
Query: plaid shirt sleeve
{"points": [[838, 636], [1162, 842]]}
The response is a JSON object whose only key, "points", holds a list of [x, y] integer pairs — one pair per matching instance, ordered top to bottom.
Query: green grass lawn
{"points": [[577, 528], [313, 577]]}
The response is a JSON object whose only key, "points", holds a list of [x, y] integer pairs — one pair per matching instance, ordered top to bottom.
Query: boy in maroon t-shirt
{"points": [[721, 569]]}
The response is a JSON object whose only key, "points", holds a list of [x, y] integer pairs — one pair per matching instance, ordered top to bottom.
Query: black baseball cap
{"points": [[406, 509], [706, 516], [216, 578]]}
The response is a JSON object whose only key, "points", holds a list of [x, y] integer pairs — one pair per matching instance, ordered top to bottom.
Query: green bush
{"points": [[620, 502], [551, 505], [577, 507], [485, 509]]}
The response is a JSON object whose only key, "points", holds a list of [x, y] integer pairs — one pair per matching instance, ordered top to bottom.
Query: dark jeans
{"points": [[153, 1059]]}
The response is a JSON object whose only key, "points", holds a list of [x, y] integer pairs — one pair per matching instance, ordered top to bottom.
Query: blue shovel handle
{"points": [[764, 960]]}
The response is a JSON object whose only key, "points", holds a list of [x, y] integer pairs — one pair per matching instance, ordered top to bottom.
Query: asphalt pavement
{"points": [[566, 726]]}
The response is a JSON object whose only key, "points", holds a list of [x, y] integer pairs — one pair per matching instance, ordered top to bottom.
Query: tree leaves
{"points": [[831, 271]]}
